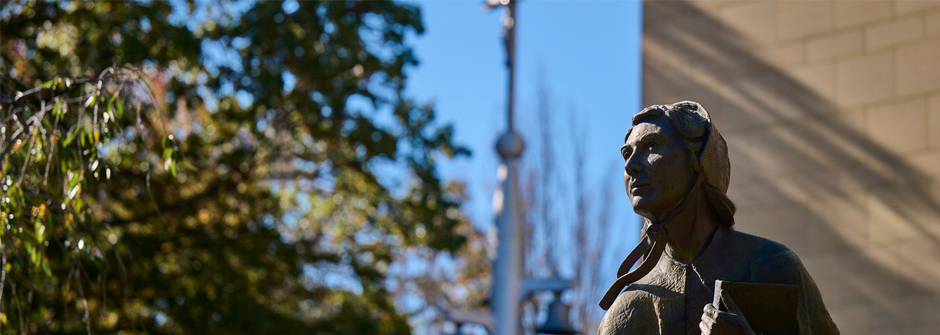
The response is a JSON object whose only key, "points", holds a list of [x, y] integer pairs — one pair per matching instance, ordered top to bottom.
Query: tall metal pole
{"points": [[509, 24], [507, 267]]}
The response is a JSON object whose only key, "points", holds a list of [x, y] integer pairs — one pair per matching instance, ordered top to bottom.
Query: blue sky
{"points": [[588, 54]]}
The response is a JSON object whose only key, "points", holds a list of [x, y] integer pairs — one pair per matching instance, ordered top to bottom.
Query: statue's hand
{"points": [[732, 322]]}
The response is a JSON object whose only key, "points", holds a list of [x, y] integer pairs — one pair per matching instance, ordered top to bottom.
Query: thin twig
{"points": [[36, 123], [149, 170], [45, 175], [3, 276], [19, 310], [87, 317]]}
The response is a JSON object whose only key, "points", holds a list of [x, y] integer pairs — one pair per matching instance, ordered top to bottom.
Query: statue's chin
{"points": [[644, 206], [641, 207]]}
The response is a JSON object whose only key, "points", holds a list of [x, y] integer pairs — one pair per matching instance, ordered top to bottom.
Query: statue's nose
{"points": [[632, 167]]}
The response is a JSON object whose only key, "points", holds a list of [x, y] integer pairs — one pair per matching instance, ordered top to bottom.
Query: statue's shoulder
{"points": [[756, 246], [770, 261]]}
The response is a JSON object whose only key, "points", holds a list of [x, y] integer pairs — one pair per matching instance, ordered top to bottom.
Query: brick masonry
{"points": [[832, 114]]}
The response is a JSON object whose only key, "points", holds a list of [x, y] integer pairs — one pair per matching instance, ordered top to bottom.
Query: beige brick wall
{"points": [[832, 114]]}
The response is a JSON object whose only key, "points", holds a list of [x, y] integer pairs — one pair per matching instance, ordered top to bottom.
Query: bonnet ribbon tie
{"points": [[651, 247]]}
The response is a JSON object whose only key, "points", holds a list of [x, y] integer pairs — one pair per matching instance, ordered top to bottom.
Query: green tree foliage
{"points": [[213, 168]]}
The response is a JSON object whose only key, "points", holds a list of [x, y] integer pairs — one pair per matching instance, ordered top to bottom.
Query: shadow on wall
{"points": [[864, 220]]}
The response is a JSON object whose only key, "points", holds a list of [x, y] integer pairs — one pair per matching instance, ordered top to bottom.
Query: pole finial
{"points": [[510, 145]]}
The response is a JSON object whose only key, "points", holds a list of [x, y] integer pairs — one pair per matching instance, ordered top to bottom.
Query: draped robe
{"points": [[670, 299]]}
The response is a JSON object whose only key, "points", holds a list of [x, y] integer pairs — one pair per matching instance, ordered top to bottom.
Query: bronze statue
{"points": [[676, 175]]}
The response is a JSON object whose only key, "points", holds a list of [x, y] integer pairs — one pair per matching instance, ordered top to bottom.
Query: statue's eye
{"points": [[651, 146], [626, 153]]}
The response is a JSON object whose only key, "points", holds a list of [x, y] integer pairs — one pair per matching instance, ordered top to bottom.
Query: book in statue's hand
{"points": [[770, 309]]}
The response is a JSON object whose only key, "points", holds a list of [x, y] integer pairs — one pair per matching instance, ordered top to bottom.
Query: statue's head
{"points": [[665, 151]]}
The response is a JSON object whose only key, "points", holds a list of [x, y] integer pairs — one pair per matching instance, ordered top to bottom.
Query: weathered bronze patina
{"points": [[676, 175]]}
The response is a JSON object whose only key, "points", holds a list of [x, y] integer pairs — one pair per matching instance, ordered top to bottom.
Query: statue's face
{"points": [[658, 171]]}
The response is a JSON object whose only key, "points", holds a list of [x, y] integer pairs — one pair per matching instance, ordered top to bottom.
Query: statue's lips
{"points": [[640, 187]]}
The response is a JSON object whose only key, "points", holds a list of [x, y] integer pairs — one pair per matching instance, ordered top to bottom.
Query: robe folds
{"points": [[670, 299]]}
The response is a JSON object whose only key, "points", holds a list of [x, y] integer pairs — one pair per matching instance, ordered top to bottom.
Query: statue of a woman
{"points": [[676, 175]]}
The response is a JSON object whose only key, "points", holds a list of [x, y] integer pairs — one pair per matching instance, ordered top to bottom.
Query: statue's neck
{"points": [[690, 230]]}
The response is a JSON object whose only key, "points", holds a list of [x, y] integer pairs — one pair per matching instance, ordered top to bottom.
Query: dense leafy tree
{"points": [[197, 167]]}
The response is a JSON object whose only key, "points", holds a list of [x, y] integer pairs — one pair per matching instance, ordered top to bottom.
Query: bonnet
{"points": [[713, 178]]}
